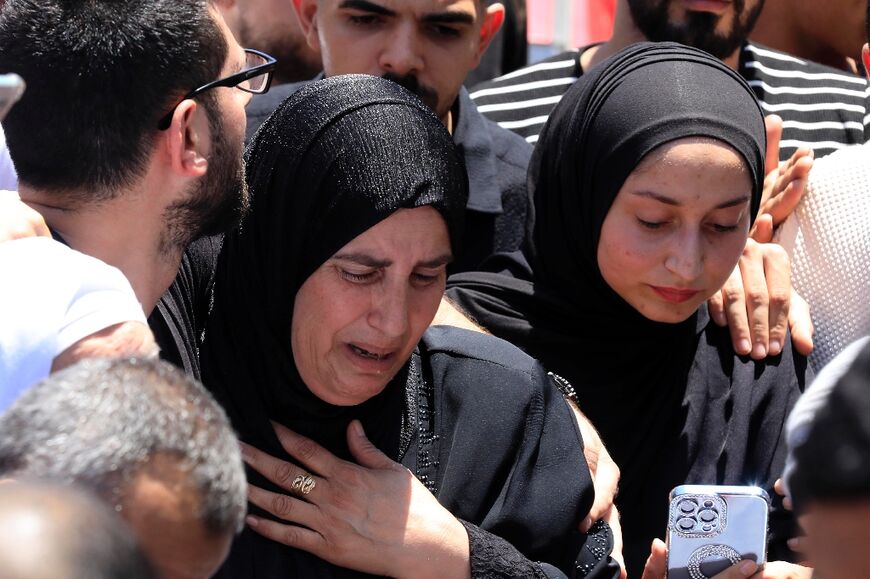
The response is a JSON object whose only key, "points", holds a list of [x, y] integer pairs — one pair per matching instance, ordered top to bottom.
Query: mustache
{"points": [[409, 81]]}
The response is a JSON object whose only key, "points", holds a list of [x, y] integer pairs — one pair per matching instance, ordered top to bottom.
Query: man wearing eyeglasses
{"points": [[128, 139]]}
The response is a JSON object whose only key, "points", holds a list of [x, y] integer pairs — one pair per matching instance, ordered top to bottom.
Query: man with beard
{"points": [[429, 46], [822, 108], [128, 139]]}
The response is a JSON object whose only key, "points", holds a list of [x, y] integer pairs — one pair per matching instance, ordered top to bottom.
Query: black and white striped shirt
{"points": [[821, 107]]}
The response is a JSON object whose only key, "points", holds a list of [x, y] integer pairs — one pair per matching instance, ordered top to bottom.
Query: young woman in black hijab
{"points": [[644, 184], [321, 300]]}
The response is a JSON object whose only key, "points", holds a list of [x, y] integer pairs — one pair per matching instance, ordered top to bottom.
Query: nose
{"points": [[402, 54], [685, 257], [389, 311]]}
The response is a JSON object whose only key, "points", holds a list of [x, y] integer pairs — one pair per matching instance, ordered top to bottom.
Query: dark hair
{"points": [[867, 22], [100, 74], [99, 422], [833, 464], [80, 538]]}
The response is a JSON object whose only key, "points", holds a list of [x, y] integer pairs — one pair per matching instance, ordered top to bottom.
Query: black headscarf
{"points": [[334, 159], [630, 373]]}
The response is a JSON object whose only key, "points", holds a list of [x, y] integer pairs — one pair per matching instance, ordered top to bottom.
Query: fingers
{"points": [[773, 129], [790, 186], [762, 229], [751, 266], [777, 272], [716, 307], [734, 309], [801, 324], [362, 449], [306, 451], [286, 475], [606, 483], [283, 506], [290, 535], [657, 564], [741, 570]]}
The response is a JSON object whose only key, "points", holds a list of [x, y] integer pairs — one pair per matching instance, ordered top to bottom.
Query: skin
{"points": [[272, 26], [831, 33], [437, 42], [679, 223], [131, 231], [379, 293], [163, 511], [836, 538]]}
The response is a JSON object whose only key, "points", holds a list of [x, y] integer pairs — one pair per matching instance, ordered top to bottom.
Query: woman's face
{"points": [[676, 228], [358, 317]]}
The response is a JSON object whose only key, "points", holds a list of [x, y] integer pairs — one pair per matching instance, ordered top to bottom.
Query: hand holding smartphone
{"points": [[11, 89], [712, 527]]}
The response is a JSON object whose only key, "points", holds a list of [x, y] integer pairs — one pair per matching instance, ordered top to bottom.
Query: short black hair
{"points": [[867, 22], [100, 74], [833, 464]]}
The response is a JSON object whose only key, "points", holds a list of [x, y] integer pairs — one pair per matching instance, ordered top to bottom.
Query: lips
{"points": [[675, 295], [367, 354]]}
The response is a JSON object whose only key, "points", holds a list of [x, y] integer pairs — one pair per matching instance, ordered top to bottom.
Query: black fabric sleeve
{"points": [[494, 557]]}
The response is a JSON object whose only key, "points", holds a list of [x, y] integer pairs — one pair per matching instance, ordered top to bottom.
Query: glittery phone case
{"points": [[711, 527]]}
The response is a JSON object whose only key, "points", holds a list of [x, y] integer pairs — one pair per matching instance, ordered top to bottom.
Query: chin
{"points": [[669, 314]]}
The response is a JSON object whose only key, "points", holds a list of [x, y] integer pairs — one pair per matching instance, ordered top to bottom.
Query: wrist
{"points": [[444, 554]]}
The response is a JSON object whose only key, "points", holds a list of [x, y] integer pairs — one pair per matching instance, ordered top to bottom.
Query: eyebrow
{"points": [[365, 6], [448, 18], [674, 203], [369, 261]]}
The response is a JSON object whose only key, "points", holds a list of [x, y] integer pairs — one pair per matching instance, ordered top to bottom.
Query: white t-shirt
{"points": [[8, 177], [51, 297]]}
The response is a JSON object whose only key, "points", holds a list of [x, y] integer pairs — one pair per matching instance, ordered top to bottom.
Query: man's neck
{"points": [[625, 33], [116, 232]]}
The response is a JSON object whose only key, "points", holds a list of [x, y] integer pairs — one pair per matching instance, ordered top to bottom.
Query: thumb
{"points": [[362, 449]]}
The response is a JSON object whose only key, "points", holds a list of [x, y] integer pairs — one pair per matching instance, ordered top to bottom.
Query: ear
{"points": [[306, 11], [492, 21], [865, 56], [187, 140]]}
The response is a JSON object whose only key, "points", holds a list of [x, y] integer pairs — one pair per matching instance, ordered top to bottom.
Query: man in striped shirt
{"points": [[822, 108]]}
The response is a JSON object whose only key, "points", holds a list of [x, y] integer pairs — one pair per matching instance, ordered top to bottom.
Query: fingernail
{"points": [[744, 347], [775, 347], [759, 351], [357, 428], [245, 450], [252, 521], [587, 524], [747, 568]]}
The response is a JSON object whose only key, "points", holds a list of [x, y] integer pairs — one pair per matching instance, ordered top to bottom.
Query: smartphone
{"points": [[11, 89], [711, 527]]}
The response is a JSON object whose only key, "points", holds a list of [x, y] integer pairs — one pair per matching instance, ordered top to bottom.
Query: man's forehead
{"points": [[417, 8]]}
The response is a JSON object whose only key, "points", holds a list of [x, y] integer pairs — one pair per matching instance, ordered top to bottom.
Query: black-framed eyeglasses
{"points": [[255, 78]]}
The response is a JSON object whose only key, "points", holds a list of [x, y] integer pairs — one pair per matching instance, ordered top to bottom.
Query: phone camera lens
{"points": [[708, 504], [688, 506], [707, 515], [686, 523], [707, 528]]}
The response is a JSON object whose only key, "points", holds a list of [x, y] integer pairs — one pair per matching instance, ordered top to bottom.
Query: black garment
{"points": [[339, 156], [496, 160], [178, 320], [672, 401]]}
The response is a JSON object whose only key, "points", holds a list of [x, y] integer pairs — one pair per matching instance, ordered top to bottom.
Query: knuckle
{"points": [[732, 294], [756, 299], [306, 449], [283, 474], [281, 505], [291, 536]]}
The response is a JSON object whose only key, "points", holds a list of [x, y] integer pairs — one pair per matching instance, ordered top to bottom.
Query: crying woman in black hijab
{"points": [[376, 446]]}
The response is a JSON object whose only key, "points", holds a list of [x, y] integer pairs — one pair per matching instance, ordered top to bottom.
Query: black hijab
{"points": [[334, 159], [630, 373]]}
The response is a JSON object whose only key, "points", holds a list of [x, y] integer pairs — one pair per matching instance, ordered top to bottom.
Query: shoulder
{"points": [[767, 63], [559, 66], [261, 106], [509, 147], [476, 347]]}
